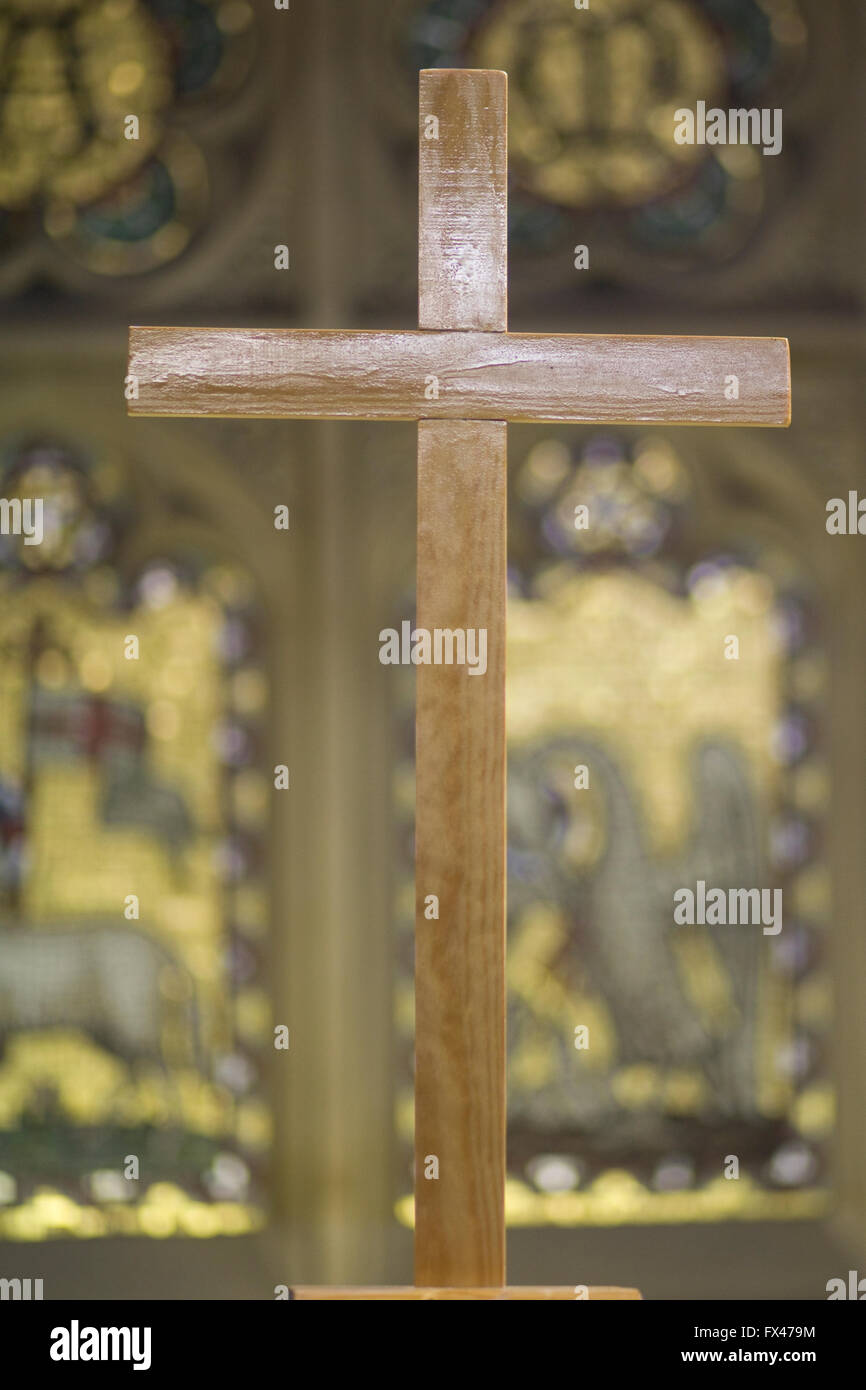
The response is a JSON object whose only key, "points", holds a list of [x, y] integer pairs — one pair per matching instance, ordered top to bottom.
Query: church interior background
{"points": [[263, 128]]}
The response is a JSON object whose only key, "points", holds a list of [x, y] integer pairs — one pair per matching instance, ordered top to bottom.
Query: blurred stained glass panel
{"points": [[592, 96], [93, 166], [133, 917], [643, 1056]]}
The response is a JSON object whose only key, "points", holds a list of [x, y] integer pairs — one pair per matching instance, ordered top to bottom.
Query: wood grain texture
{"points": [[463, 199], [375, 375], [460, 719], [460, 857], [565, 1294]]}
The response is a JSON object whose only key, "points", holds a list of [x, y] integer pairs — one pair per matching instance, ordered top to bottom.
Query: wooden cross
{"points": [[462, 376]]}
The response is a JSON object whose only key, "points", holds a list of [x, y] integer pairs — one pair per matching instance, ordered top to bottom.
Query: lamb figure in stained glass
{"points": [[118, 985]]}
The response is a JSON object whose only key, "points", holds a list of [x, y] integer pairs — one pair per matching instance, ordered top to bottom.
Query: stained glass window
{"points": [[592, 92], [111, 197], [132, 910], [643, 1055]]}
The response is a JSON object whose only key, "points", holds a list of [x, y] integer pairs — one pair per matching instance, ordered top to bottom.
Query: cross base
{"points": [[568, 1293]]}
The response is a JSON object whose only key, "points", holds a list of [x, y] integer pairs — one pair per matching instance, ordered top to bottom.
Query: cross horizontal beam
{"points": [[427, 374], [563, 1294]]}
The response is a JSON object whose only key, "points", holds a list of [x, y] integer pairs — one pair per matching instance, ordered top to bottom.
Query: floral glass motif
{"points": [[71, 71], [592, 94], [133, 916], [703, 1043]]}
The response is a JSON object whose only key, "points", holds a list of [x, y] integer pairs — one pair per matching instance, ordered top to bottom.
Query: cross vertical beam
{"points": [[460, 730]]}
